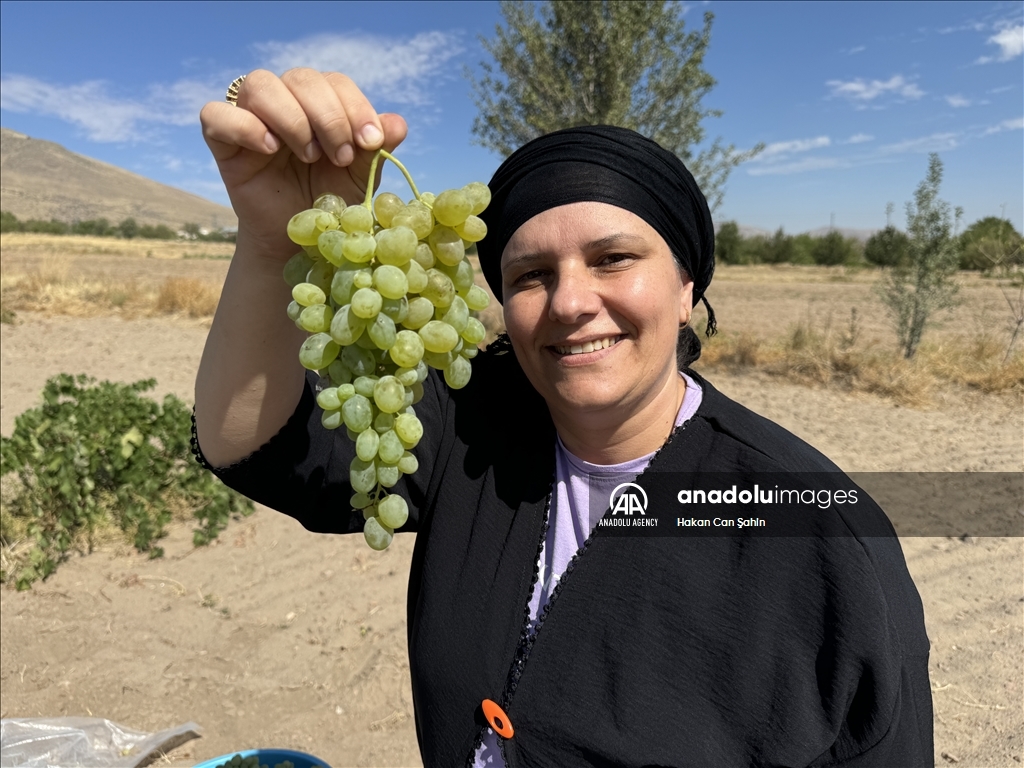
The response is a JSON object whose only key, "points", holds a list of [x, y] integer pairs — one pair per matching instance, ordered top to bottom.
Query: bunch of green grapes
{"points": [[386, 293]]}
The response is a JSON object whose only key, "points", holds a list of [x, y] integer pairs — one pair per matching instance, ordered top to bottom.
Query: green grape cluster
{"points": [[385, 292]]}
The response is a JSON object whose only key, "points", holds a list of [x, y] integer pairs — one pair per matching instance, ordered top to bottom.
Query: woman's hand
{"points": [[289, 140]]}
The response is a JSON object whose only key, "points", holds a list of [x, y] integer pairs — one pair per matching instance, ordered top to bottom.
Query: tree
{"points": [[631, 64], [128, 228], [990, 243], [729, 245], [887, 247], [833, 249], [923, 284]]}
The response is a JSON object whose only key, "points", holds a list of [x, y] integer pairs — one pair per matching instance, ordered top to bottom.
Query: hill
{"points": [[43, 180]]}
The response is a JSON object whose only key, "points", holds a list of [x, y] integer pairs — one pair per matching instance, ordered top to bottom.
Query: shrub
{"points": [[188, 295], [96, 454]]}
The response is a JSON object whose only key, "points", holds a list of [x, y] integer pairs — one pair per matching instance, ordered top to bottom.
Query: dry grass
{"points": [[19, 243], [53, 288], [829, 357]]}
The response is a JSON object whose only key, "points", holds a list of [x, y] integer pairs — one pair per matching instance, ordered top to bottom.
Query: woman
{"points": [[534, 639]]}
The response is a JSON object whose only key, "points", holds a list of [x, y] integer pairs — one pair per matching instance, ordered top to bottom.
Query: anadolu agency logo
{"points": [[623, 499]]}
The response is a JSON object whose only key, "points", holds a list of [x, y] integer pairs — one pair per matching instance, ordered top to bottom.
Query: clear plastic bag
{"points": [[90, 742]]}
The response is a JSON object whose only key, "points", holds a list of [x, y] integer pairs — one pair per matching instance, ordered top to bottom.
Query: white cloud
{"points": [[1010, 42], [857, 49], [395, 70], [1001, 89], [860, 91], [956, 100], [103, 116], [1014, 124], [859, 138], [936, 142], [783, 148], [797, 166]]}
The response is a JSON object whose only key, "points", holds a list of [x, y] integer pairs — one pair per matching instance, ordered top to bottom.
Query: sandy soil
{"points": [[277, 637]]}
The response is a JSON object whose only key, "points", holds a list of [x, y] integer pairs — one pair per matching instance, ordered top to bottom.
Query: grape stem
{"points": [[368, 202]]}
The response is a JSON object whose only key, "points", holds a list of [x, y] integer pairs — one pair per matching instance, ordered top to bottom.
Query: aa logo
{"points": [[628, 498]]}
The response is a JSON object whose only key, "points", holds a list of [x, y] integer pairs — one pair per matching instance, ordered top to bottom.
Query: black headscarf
{"points": [[604, 164]]}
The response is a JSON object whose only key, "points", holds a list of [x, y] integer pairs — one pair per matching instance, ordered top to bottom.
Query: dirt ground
{"points": [[277, 637]]}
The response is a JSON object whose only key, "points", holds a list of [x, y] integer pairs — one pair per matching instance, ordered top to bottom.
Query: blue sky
{"points": [[848, 97]]}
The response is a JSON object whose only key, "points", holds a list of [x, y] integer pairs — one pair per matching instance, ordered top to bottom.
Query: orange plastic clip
{"points": [[497, 719]]}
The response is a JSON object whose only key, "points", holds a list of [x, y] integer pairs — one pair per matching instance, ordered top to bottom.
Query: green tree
{"points": [[602, 62], [9, 222], [128, 228], [990, 243], [729, 244], [887, 247], [777, 249], [833, 249], [924, 283]]}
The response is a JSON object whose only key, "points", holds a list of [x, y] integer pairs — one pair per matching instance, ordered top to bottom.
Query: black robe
{"points": [[724, 651]]}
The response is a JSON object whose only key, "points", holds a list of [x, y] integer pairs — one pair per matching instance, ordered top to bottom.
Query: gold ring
{"points": [[232, 94]]}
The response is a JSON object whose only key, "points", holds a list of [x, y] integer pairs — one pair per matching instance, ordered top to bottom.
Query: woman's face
{"points": [[593, 299]]}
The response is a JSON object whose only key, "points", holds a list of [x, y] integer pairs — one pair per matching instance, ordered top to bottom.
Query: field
{"points": [[275, 636]]}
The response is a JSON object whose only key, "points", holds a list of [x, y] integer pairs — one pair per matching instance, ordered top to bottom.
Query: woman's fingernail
{"points": [[371, 135], [271, 142], [311, 152], [345, 154]]}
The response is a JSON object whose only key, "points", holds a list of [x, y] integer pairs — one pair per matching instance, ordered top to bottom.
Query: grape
{"points": [[479, 196], [331, 203], [386, 206], [452, 207], [357, 218], [304, 227], [472, 229], [331, 246], [396, 246], [447, 246], [359, 247], [424, 256], [297, 267], [321, 274], [416, 276], [390, 281], [440, 289], [386, 293], [307, 295], [477, 298], [366, 303], [396, 309], [421, 311], [457, 315], [316, 319], [346, 326], [382, 331], [474, 331], [438, 336], [408, 349], [318, 352], [360, 361], [339, 372], [457, 374], [408, 376], [363, 385], [389, 394], [328, 399], [358, 414], [331, 419], [382, 422], [408, 428], [367, 444], [391, 448], [407, 465], [387, 474], [393, 511], [376, 535]]}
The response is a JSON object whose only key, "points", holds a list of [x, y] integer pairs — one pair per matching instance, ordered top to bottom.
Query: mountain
{"points": [[43, 180]]}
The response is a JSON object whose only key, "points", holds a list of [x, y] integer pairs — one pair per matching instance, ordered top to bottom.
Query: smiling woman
{"points": [[535, 639]]}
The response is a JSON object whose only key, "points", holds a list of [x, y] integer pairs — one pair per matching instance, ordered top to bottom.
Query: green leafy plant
{"points": [[93, 455]]}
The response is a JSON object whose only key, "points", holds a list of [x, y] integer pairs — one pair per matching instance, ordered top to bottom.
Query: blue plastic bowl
{"points": [[270, 757]]}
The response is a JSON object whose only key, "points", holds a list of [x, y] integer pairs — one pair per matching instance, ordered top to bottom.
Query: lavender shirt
{"points": [[580, 499]]}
